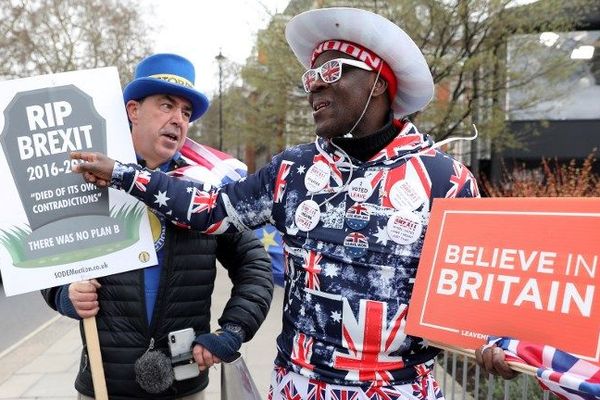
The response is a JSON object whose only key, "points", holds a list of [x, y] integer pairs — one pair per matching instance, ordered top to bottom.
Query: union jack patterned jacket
{"points": [[352, 232]]}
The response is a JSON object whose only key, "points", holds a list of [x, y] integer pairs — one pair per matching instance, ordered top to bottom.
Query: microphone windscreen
{"points": [[153, 372]]}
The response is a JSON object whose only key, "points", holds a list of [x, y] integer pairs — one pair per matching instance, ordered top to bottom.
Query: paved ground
{"points": [[44, 364]]}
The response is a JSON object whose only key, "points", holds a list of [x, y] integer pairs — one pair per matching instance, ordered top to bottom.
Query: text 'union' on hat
{"points": [[306, 31], [166, 74]]}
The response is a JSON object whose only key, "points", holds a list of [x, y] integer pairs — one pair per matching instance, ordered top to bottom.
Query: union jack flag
{"points": [[330, 71], [401, 144], [223, 166], [459, 179], [142, 180], [280, 181], [201, 202], [360, 210], [313, 269], [370, 340], [302, 351], [280, 373], [567, 376], [424, 383], [420, 387], [316, 390], [290, 392], [375, 392], [345, 394]]}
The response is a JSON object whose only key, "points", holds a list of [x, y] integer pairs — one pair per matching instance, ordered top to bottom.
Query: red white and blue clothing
{"points": [[353, 233], [287, 385]]}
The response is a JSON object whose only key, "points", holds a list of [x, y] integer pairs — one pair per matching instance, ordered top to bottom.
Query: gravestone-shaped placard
{"points": [[43, 127], [54, 227]]}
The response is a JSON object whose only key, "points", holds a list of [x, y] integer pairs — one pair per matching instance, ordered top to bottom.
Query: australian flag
{"points": [[568, 377]]}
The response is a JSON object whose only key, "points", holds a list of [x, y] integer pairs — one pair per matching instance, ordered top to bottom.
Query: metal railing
{"points": [[461, 379]]}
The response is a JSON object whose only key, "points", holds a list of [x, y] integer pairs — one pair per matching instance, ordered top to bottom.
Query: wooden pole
{"points": [[95, 357], [515, 366]]}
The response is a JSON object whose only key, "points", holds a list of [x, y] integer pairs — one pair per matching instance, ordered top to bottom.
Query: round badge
{"points": [[317, 177], [360, 189], [404, 195], [307, 215], [358, 216], [404, 227], [356, 244], [144, 256]]}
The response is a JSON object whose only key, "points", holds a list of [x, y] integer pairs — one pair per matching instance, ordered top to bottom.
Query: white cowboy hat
{"points": [[306, 31]]}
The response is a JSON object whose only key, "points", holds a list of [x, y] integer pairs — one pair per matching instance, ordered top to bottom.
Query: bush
{"points": [[551, 179]]}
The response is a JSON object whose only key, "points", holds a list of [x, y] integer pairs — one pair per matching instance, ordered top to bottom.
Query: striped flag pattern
{"points": [[567, 376]]}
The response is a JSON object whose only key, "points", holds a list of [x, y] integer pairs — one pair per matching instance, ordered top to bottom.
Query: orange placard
{"points": [[527, 268]]}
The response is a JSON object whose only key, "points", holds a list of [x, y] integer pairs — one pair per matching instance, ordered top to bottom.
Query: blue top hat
{"points": [[166, 74]]}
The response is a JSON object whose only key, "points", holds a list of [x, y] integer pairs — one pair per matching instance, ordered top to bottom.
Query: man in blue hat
{"points": [[352, 207], [136, 310]]}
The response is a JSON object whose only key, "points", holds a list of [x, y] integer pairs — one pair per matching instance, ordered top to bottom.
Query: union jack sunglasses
{"points": [[330, 72]]}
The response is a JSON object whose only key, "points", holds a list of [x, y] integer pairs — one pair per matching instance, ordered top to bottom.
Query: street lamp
{"points": [[220, 58]]}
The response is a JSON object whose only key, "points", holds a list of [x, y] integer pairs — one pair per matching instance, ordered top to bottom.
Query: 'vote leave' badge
{"points": [[360, 189]]}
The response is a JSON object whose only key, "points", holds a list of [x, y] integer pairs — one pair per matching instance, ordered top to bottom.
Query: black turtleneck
{"points": [[363, 148]]}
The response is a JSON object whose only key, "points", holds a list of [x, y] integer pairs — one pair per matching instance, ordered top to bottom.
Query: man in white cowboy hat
{"points": [[352, 207], [136, 310]]}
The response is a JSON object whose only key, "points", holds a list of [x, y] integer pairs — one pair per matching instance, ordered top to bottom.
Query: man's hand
{"points": [[96, 169], [84, 297], [211, 348], [204, 358], [491, 360]]}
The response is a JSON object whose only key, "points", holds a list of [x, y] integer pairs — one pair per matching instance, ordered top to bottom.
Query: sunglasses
{"points": [[330, 72]]}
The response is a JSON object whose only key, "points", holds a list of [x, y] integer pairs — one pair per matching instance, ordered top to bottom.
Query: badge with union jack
{"points": [[358, 216], [356, 244]]}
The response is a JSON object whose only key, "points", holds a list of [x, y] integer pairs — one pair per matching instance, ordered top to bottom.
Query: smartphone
{"points": [[182, 360]]}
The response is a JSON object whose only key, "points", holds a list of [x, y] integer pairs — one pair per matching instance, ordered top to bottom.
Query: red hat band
{"points": [[360, 53]]}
